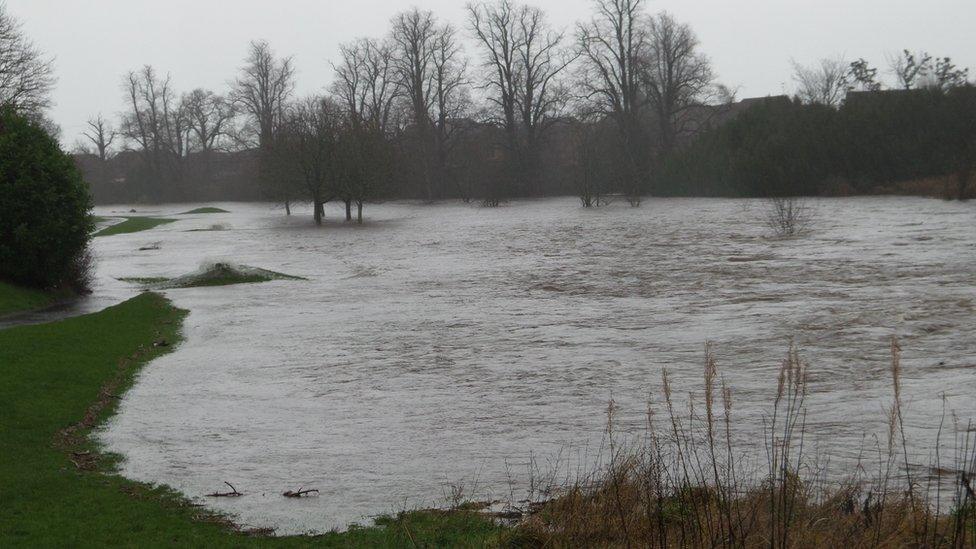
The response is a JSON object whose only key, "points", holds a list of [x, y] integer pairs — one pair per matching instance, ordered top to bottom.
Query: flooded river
{"points": [[449, 343]]}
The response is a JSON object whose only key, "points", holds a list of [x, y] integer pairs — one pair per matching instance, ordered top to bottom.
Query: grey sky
{"points": [[201, 42]]}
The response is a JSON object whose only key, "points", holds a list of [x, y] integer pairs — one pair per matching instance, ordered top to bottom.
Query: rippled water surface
{"points": [[449, 343]]}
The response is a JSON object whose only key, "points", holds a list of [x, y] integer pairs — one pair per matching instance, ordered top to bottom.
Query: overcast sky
{"points": [[201, 42]]}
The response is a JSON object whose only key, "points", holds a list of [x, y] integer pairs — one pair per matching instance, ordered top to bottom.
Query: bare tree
{"points": [[413, 35], [613, 47], [522, 60], [910, 68], [430, 72], [26, 76], [676, 77], [825, 83], [261, 91], [451, 99], [157, 123], [144, 124], [101, 135]]}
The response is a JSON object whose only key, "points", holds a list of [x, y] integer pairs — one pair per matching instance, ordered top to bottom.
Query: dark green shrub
{"points": [[45, 221]]}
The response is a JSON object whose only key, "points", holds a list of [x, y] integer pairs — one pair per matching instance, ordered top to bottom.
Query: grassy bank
{"points": [[134, 225], [15, 299], [58, 381]]}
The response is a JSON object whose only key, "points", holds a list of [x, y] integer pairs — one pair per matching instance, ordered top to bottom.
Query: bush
{"points": [[45, 221]]}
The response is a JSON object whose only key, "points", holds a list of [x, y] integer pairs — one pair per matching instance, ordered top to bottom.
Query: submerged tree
{"points": [[306, 151]]}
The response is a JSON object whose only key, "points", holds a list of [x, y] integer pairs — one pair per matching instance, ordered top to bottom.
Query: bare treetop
{"points": [[26, 77], [825, 83], [263, 87], [101, 134]]}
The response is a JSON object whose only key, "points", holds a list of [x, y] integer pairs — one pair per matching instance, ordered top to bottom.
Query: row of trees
{"points": [[829, 81], [531, 108], [784, 147]]}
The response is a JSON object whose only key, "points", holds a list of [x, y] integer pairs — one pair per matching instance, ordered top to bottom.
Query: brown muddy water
{"points": [[450, 344]]}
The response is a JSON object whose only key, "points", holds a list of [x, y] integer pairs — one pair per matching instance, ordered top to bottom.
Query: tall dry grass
{"points": [[683, 484]]}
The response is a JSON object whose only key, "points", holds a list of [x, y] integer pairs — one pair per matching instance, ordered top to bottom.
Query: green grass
{"points": [[210, 210], [134, 225], [14, 299], [60, 380]]}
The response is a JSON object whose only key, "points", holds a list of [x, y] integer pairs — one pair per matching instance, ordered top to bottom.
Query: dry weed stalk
{"points": [[683, 485]]}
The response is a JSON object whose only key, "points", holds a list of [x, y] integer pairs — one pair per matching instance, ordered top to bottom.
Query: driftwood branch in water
{"points": [[300, 493], [232, 494]]}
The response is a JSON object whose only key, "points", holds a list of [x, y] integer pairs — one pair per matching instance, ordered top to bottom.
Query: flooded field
{"points": [[449, 343]]}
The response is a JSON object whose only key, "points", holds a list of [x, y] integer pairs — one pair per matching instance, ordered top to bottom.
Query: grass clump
{"points": [[208, 210], [134, 225], [15, 299], [61, 380]]}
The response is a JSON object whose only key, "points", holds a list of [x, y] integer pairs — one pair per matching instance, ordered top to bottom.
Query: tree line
{"points": [[624, 104], [412, 114], [845, 132]]}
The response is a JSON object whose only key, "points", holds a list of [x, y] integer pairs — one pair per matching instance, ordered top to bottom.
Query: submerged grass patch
{"points": [[207, 210], [134, 225], [211, 228], [216, 274], [147, 280], [15, 299], [61, 380]]}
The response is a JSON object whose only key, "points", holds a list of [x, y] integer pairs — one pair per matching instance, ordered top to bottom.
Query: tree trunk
{"points": [[962, 179], [287, 207], [348, 209], [319, 212], [359, 212]]}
